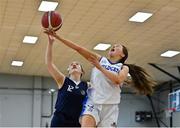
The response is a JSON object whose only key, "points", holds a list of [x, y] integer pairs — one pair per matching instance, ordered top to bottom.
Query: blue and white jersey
{"points": [[102, 90]]}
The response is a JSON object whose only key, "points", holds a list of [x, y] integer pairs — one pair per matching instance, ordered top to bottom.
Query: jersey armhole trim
{"points": [[63, 83]]}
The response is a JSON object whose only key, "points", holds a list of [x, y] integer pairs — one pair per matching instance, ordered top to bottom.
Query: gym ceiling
{"points": [[87, 23]]}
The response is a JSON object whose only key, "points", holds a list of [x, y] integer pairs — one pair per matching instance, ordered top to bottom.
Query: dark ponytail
{"points": [[142, 81]]}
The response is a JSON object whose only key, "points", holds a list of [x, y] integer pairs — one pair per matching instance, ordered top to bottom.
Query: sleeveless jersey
{"points": [[102, 90], [70, 98]]}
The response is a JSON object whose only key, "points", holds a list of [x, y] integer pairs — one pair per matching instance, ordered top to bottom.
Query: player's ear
{"points": [[122, 54]]}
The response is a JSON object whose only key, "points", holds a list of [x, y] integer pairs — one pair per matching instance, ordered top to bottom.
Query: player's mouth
{"points": [[112, 50], [74, 67]]}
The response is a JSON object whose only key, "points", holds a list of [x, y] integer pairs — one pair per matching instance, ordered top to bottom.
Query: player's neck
{"points": [[114, 59], [75, 77]]}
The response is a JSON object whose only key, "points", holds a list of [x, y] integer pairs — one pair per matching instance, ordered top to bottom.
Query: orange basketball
{"points": [[51, 20]]}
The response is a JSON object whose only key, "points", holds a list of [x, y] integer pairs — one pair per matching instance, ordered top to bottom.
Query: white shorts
{"points": [[105, 115]]}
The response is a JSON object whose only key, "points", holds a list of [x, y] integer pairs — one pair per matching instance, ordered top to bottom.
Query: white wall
{"points": [[46, 100], [24, 102], [130, 103], [15, 105], [15, 108]]}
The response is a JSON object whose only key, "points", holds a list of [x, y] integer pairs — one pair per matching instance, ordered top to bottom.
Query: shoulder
{"points": [[103, 59], [67, 81], [64, 84], [84, 84]]}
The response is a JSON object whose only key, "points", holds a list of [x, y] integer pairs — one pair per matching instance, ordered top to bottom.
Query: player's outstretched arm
{"points": [[81, 50], [53, 70]]}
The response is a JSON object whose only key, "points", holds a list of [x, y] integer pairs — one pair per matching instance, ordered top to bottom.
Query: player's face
{"points": [[116, 50], [74, 67]]}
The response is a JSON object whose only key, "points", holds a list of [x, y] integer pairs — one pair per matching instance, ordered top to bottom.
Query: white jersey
{"points": [[103, 91]]}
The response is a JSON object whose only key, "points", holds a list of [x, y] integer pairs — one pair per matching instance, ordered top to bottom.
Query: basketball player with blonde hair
{"points": [[71, 91]]}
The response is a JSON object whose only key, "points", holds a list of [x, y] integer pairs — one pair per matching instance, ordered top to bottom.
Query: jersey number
{"points": [[70, 88]]}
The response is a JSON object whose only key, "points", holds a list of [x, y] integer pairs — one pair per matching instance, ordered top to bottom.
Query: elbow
{"points": [[48, 62], [49, 66], [50, 69], [118, 82]]}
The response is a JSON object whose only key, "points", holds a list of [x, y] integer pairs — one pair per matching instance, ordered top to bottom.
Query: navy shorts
{"points": [[62, 120]]}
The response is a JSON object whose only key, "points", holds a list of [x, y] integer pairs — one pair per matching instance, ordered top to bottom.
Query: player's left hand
{"points": [[94, 61]]}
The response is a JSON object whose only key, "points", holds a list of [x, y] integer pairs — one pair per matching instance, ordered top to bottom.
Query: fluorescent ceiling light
{"points": [[47, 6], [140, 17], [30, 39], [102, 47], [169, 53], [17, 63]]}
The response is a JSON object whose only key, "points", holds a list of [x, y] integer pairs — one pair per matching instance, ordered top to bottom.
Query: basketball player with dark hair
{"points": [[71, 91]]}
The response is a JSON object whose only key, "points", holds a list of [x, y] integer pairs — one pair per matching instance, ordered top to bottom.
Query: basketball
{"points": [[51, 20]]}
